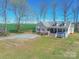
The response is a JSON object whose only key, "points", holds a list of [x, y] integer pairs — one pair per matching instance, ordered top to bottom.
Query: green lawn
{"points": [[24, 27], [42, 48]]}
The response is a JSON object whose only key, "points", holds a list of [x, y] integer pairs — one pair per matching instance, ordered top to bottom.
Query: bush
{"points": [[4, 34]]}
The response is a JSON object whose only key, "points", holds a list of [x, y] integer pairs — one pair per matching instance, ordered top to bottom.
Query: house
{"points": [[77, 25], [58, 29]]}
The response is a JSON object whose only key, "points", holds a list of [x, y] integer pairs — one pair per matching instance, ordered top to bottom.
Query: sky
{"points": [[34, 4], [59, 10]]}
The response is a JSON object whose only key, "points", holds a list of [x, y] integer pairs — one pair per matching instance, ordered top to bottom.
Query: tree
{"points": [[54, 5], [66, 6], [19, 9], [43, 10], [75, 11], [4, 13], [74, 14]]}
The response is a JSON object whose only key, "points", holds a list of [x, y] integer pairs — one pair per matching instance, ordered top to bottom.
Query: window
{"points": [[38, 29], [43, 29], [48, 29], [53, 30], [60, 30]]}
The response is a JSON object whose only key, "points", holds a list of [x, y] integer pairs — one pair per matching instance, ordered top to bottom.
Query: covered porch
{"points": [[58, 32]]}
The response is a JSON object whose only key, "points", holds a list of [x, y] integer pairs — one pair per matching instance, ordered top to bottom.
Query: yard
{"points": [[24, 27], [43, 48]]}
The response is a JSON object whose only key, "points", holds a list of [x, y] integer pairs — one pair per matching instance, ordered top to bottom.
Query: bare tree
{"points": [[54, 5], [66, 6], [19, 9], [43, 10], [75, 10], [4, 13], [74, 14]]}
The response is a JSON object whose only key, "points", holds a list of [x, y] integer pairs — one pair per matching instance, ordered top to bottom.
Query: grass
{"points": [[24, 27], [42, 48]]}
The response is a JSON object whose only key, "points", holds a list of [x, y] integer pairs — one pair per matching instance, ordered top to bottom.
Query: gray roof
{"points": [[55, 24]]}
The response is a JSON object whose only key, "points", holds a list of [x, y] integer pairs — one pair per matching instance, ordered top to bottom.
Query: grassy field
{"points": [[24, 27], [42, 48]]}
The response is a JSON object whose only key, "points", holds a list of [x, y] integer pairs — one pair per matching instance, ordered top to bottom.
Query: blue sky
{"points": [[35, 7], [59, 10]]}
